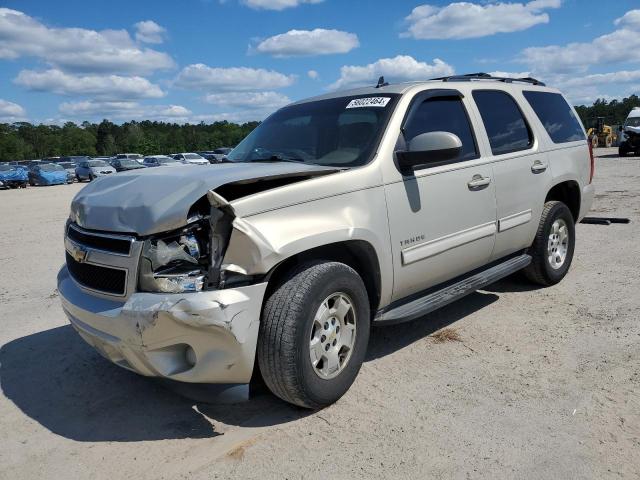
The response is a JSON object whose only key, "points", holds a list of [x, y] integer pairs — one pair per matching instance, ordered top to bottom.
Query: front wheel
{"points": [[553, 246], [314, 334]]}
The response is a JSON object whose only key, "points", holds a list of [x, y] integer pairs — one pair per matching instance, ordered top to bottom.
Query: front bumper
{"points": [[204, 337]]}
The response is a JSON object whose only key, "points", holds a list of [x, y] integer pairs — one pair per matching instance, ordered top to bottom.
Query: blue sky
{"points": [[206, 60]]}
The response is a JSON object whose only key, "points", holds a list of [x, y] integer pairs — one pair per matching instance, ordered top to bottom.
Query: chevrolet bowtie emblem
{"points": [[78, 253]]}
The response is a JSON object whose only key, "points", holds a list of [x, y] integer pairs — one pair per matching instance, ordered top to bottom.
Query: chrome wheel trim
{"points": [[558, 244], [333, 336]]}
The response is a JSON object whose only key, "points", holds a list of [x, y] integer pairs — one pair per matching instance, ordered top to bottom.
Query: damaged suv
{"points": [[367, 207]]}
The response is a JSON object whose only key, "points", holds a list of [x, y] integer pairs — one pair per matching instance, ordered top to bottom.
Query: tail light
{"points": [[593, 162]]}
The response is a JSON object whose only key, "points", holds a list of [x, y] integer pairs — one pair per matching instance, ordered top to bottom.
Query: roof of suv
{"points": [[400, 88]]}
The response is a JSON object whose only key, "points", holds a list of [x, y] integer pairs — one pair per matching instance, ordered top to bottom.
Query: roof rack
{"points": [[485, 76]]}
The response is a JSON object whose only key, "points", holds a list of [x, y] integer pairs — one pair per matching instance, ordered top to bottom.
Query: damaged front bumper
{"points": [[202, 337]]}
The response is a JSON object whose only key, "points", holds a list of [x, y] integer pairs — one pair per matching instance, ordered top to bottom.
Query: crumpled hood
{"points": [[157, 200]]}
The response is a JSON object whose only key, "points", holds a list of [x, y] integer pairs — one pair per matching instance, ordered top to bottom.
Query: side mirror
{"points": [[430, 147]]}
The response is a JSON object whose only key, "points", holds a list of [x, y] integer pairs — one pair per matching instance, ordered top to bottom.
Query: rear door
{"points": [[521, 169], [442, 215]]}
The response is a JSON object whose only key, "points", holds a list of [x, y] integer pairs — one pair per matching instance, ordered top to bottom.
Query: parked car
{"points": [[629, 134], [218, 155], [133, 156], [191, 158], [160, 161], [125, 164], [70, 167], [90, 169], [47, 174], [13, 176], [368, 207]]}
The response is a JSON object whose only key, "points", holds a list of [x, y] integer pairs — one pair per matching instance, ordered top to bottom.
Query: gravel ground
{"points": [[542, 383]]}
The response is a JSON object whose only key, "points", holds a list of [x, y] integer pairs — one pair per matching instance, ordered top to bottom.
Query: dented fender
{"points": [[261, 241]]}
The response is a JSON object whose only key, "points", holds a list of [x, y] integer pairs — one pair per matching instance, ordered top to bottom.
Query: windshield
{"points": [[633, 122], [340, 132], [222, 151], [193, 156], [166, 160], [127, 162], [98, 163], [67, 165], [50, 167], [6, 168]]}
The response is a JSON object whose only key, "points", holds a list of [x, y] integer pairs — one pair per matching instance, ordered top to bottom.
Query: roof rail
{"points": [[485, 76]]}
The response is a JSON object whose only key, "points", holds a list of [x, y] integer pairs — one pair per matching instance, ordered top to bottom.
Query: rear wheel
{"points": [[608, 141], [553, 246], [314, 334]]}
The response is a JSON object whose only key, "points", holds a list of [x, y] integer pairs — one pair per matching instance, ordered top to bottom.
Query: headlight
{"points": [[174, 264]]}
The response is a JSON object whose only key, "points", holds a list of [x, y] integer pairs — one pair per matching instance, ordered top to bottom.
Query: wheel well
{"points": [[567, 193], [358, 254]]}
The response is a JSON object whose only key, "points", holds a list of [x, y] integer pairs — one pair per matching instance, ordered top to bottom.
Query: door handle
{"points": [[538, 167], [478, 182]]}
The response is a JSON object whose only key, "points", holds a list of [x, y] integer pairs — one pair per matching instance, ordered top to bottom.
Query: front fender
{"points": [[260, 242]]}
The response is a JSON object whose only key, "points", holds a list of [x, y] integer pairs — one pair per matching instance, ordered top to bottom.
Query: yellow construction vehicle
{"points": [[602, 135]]}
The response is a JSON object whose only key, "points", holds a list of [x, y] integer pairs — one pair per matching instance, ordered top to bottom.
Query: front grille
{"points": [[106, 243], [104, 279]]}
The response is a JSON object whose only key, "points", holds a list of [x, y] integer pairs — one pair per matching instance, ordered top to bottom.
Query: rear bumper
{"points": [[588, 193], [205, 337]]}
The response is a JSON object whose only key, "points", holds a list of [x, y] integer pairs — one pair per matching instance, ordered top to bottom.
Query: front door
{"points": [[442, 217]]}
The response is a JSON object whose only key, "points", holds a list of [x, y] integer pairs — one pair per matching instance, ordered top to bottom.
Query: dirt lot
{"points": [[543, 383]]}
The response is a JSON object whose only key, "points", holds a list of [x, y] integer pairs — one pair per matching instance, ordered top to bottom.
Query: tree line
{"points": [[614, 112], [24, 141]]}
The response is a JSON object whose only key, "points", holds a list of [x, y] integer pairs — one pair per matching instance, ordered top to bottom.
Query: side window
{"points": [[443, 114], [556, 116], [506, 127]]}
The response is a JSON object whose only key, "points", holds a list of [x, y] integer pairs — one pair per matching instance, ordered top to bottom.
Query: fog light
{"points": [[190, 356]]}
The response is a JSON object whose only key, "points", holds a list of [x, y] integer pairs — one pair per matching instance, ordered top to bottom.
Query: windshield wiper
{"points": [[278, 158]]}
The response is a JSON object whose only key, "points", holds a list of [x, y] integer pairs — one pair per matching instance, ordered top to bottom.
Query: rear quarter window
{"points": [[556, 116]]}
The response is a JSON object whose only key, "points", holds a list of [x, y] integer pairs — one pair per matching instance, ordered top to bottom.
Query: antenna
{"points": [[381, 83]]}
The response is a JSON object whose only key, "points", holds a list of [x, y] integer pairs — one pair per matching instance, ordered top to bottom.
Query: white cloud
{"points": [[276, 4], [469, 20], [149, 31], [308, 42], [620, 46], [76, 49], [397, 69], [510, 74], [313, 75], [203, 77], [103, 86], [249, 100], [128, 110], [11, 112]]}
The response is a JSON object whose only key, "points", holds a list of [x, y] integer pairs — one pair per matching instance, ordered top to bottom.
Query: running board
{"points": [[444, 296]]}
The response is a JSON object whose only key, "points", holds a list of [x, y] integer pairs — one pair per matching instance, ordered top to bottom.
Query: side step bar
{"points": [[444, 296]]}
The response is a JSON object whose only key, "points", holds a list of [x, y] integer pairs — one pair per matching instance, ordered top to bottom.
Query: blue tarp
{"points": [[15, 174], [57, 177]]}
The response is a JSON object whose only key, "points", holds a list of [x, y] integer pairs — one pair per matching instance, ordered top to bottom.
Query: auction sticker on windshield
{"points": [[369, 102]]}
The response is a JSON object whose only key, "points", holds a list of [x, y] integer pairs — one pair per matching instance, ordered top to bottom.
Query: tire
{"points": [[594, 141], [608, 141], [622, 151], [32, 183], [545, 269], [290, 324]]}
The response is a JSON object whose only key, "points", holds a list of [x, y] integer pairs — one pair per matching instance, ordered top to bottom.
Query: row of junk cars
{"points": [[63, 170]]}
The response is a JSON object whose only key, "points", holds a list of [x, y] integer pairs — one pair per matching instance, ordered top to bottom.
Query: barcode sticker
{"points": [[369, 102]]}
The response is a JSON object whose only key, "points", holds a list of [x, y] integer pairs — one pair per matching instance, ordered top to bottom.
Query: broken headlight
{"points": [[175, 263]]}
